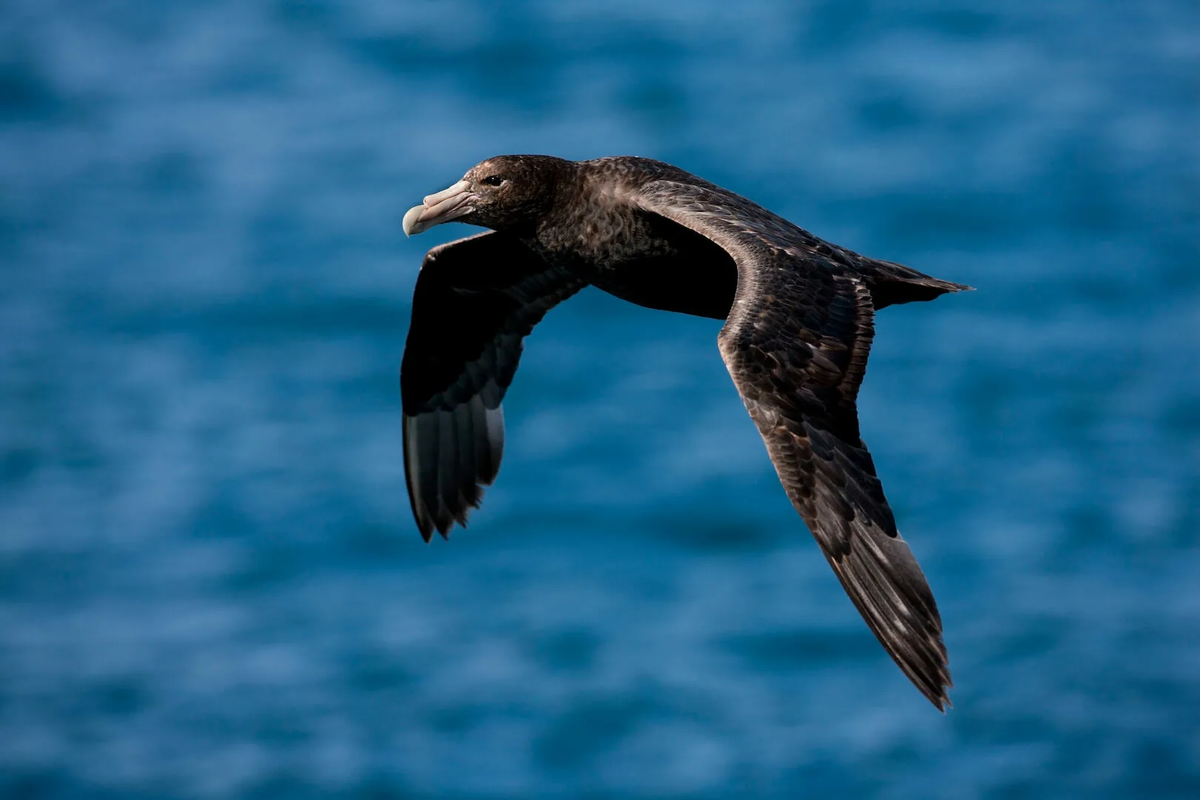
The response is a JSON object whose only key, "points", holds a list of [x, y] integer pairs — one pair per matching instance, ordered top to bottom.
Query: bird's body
{"points": [[799, 320]]}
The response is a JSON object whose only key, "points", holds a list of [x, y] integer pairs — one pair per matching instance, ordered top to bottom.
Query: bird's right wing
{"points": [[476, 300], [796, 344]]}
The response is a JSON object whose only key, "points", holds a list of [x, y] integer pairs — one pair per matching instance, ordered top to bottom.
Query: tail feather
{"points": [[892, 284]]}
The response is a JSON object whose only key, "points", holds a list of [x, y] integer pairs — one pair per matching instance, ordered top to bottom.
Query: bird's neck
{"points": [[589, 225]]}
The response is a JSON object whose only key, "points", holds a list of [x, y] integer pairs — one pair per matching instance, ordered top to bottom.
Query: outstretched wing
{"points": [[476, 300], [796, 344]]}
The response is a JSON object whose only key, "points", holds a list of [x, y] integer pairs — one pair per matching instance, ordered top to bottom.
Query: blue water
{"points": [[210, 582]]}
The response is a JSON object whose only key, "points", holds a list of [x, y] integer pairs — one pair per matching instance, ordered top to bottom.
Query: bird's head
{"points": [[501, 193]]}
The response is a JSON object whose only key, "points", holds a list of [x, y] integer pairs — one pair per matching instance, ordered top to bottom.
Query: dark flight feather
{"points": [[476, 300], [796, 344]]}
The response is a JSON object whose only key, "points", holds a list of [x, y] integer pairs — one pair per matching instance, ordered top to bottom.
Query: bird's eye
{"points": [[493, 180]]}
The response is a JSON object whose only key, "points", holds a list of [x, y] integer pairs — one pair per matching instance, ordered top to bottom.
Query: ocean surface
{"points": [[211, 585]]}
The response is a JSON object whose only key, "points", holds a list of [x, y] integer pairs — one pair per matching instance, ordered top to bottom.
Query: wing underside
{"points": [[475, 302]]}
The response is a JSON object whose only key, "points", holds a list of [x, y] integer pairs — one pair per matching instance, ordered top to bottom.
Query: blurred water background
{"points": [[210, 582]]}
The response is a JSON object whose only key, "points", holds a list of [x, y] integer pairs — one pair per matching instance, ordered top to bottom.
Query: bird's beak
{"points": [[448, 204]]}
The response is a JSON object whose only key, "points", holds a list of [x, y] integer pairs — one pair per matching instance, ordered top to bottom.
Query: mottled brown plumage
{"points": [[799, 320]]}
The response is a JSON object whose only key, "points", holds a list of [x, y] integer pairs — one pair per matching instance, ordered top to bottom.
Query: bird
{"points": [[798, 316]]}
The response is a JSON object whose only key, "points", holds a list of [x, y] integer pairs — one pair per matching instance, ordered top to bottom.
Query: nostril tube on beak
{"points": [[445, 194], [450, 203]]}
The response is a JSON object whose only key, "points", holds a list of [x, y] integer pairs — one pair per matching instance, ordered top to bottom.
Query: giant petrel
{"points": [[799, 318]]}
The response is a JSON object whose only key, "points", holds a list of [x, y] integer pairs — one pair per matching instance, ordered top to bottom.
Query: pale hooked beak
{"points": [[448, 204]]}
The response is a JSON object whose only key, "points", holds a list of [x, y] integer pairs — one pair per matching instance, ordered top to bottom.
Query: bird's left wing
{"points": [[476, 300]]}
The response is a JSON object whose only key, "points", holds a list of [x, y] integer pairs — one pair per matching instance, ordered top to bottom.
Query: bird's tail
{"points": [[892, 284]]}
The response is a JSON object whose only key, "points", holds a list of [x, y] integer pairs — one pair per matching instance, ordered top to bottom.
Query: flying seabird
{"points": [[799, 319]]}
